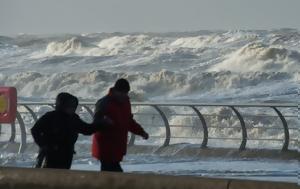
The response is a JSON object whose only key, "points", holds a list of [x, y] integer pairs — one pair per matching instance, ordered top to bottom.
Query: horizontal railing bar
{"points": [[220, 104], [284, 105], [214, 114], [194, 115], [244, 115], [195, 126], [265, 128], [271, 128], [186, 137], [215, 138], [221, 138], [265, 139]]}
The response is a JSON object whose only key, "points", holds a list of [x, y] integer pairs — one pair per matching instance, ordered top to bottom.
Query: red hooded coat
{"points": [[110, 145]]}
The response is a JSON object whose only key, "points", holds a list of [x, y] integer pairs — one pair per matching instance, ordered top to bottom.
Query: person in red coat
{"points": [[110, 145]]}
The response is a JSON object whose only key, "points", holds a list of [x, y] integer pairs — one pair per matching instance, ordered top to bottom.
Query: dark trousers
{"points": [[40, 160], [58, 160], [58, 163], [112, 167]]}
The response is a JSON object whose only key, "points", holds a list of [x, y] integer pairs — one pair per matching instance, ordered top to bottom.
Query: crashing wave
{"points": [[73, 46], [262, 58], [202, 65], [151, 86]]}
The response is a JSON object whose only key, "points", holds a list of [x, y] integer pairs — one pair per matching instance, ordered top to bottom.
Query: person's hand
{"points": [[145, 136]]}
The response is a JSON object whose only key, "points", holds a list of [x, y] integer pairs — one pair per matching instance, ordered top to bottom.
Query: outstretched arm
{"points": [[100, 122], [83, 127], [89, 128], [136, 128]]}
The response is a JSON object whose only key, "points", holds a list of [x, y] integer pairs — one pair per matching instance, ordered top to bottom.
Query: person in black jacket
{"points": [[56, 133]]}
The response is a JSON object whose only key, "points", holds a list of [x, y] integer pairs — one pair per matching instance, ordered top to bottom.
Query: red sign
{"points": [[8, 104]]}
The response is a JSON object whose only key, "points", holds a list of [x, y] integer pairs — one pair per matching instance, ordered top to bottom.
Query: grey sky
{"points": [[74, 16]]}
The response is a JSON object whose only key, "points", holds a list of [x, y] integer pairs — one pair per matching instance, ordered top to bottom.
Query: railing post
{"points": [[88, 110], [31, 113], [166, 122], [243, 126], [205, 130], [13, 132], [23, 133], [131, 140], [285, 146]]}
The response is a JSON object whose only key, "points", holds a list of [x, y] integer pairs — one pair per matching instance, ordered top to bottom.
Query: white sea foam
{"points": [[258, 57], [157, 85]]}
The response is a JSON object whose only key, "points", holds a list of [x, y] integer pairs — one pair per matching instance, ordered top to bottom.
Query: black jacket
{"points": [[57, 131]]}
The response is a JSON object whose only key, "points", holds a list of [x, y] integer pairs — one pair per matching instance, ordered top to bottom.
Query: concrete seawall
{"points": [[27, 178]]}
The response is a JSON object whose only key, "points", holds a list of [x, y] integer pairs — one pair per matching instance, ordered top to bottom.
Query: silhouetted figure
{"points": [[57, 131], [110, 145]]}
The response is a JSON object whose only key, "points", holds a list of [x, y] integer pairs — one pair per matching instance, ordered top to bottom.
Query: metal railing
{"points": [[158, 107]]}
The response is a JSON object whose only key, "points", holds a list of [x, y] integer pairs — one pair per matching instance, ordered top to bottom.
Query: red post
{"points": [[8, 104]]}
